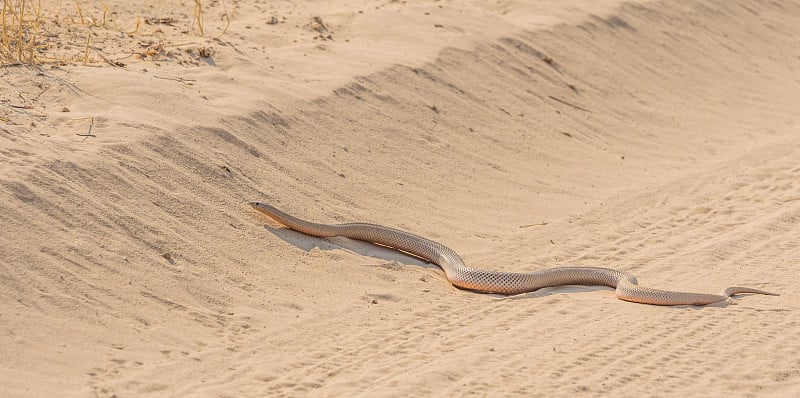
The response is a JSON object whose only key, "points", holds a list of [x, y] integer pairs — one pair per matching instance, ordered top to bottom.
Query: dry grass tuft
{"points": [[20, 30], [87, 32]]}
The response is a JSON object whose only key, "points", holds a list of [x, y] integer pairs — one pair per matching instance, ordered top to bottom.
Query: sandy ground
{"points": [[661, 138]]}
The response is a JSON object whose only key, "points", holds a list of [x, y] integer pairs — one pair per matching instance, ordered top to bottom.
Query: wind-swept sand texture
{"points": [[660, 138]]}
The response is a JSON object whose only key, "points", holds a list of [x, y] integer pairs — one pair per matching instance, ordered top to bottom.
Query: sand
{"points": [[661, 138]]}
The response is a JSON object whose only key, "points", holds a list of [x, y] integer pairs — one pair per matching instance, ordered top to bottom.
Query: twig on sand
{"points": [[187, 82], [568, 104], [89, 133], [538, 224]]}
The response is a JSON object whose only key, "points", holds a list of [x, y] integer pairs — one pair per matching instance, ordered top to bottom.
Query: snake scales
{"points": [[509, 283]]}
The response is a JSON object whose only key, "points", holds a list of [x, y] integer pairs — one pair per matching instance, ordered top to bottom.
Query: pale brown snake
{"points": [[494, 281]]}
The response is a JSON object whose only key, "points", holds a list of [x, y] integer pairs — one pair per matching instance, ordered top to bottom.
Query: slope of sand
{"points": [[660, 138]]}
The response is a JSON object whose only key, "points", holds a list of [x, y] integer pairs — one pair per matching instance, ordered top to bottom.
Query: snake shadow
{"points": [[307, 243]]}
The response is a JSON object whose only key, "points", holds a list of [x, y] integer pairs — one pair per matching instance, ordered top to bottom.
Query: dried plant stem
{"points": [[80, 13], [198, 15], [19, 30], [86, 52]]}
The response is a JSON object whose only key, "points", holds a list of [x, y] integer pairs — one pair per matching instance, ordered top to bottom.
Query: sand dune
{"points": [[660, 138]]}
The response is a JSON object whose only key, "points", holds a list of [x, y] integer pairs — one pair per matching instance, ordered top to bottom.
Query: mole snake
{"points": [[508, 283]]}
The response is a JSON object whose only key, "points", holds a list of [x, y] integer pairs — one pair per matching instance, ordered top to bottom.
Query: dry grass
{"points": [[198, 17], [21, 22], [64, 31]]}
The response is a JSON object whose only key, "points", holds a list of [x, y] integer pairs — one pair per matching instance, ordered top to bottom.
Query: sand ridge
{"points": [[657, 137]]}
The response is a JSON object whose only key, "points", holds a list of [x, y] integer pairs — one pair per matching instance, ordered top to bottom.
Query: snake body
{"points": [[508, 283]]}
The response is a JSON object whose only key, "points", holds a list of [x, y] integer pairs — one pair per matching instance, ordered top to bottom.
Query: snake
{"points": [[506, 283]]}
